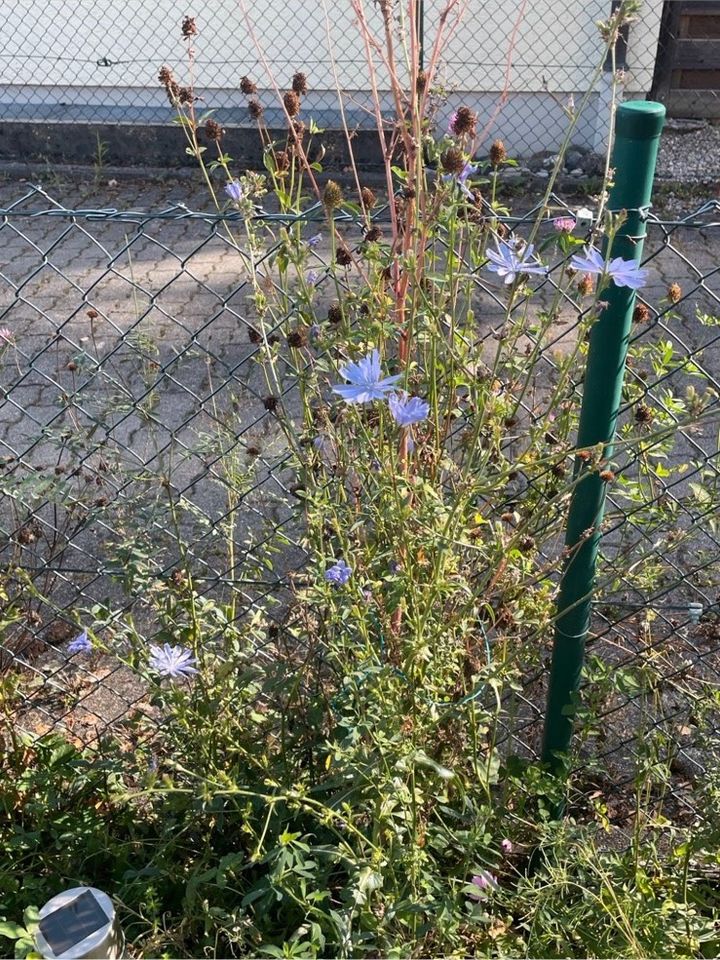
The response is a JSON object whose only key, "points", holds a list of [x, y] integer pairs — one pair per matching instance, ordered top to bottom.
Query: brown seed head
{"points": [[189, 28], [165, 76], [421, 81], [300, 84], [247, 86], [185, 95], [292, 103], [255, 109], [464, 122], [299, 128], [213, 130], [498, 153], [453, 160], [282, 161], [332, 195], [368, 197], [374, 234], [343, 257], [586, 285], [674, 292], [334, 313], [641, 313], [93, 314], [254, 336], [298, 337], [270, 403], [643, 413], [584, 455], [558, 470], [607, 476], [526, 544]]}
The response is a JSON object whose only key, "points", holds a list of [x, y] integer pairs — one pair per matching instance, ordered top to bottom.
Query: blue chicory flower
{"points": [[469, 170], [234, 190], [314, 240], [507, 261], [625, 273], [312, 278], [366, 383], [407, 410], [338, 574], [81, 644], [172, 661]]}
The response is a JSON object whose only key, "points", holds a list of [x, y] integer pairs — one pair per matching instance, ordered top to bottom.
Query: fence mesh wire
{"points": [[516, 64], [135, 418]]}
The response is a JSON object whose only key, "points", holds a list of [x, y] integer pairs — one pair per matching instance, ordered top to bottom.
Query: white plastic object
{"points": [[585, 218], [695, 611], [79, 924]]}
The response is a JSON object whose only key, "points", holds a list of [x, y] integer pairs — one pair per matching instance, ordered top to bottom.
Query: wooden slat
{"points": [[697, 8], [708, 27], [696, 55], [693, 103]]}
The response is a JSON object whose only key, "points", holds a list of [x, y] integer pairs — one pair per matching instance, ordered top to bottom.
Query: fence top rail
{"points": [[315, 213]]}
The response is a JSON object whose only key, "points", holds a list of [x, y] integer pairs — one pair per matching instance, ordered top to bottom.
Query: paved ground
{"points": [[176, 387]]}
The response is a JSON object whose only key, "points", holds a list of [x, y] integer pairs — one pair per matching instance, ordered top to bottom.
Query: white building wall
{"points": [[538, 51]]}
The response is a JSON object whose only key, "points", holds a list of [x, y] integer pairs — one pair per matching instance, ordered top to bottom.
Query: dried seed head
{"points": [[189, 28], [165, 76], [421, 81], [300, 84], [247, 86], [185, 95], [292, 103], [255, 109], [464, 122], [299, 128], [213, 130], [498, 153], [453, 160], [282, 161], [409, 193], [333, 195], [368, 197], [374, 234], [343, 257], [586, 285], [674, 292], [334, 313], [641, 313], [93, 314], [254, 336], [298, 337], [270, 403], [643, 413], [584, 455], [558, 470], [607, 476], [526, 544]]}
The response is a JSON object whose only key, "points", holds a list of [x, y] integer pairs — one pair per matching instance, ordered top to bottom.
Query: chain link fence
{"points": [[517, 64], [135, 419]]}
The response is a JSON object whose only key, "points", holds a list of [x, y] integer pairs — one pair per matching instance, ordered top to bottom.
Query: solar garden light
{"points": [[79, 923]]}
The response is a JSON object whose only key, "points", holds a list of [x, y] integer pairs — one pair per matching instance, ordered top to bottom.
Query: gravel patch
{"points": [[692, 157]]}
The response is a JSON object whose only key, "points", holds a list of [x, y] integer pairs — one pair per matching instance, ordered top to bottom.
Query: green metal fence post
{"points": [[637, 131]]}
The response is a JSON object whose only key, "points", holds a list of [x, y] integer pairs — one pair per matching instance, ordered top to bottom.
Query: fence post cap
{"points": [[640, 119]]}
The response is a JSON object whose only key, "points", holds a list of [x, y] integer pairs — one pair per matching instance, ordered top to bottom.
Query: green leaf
{"points": [[12, 931]]}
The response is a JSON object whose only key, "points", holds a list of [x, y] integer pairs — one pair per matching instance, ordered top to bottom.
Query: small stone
{"points": [[577, 172], [542, 174]]}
